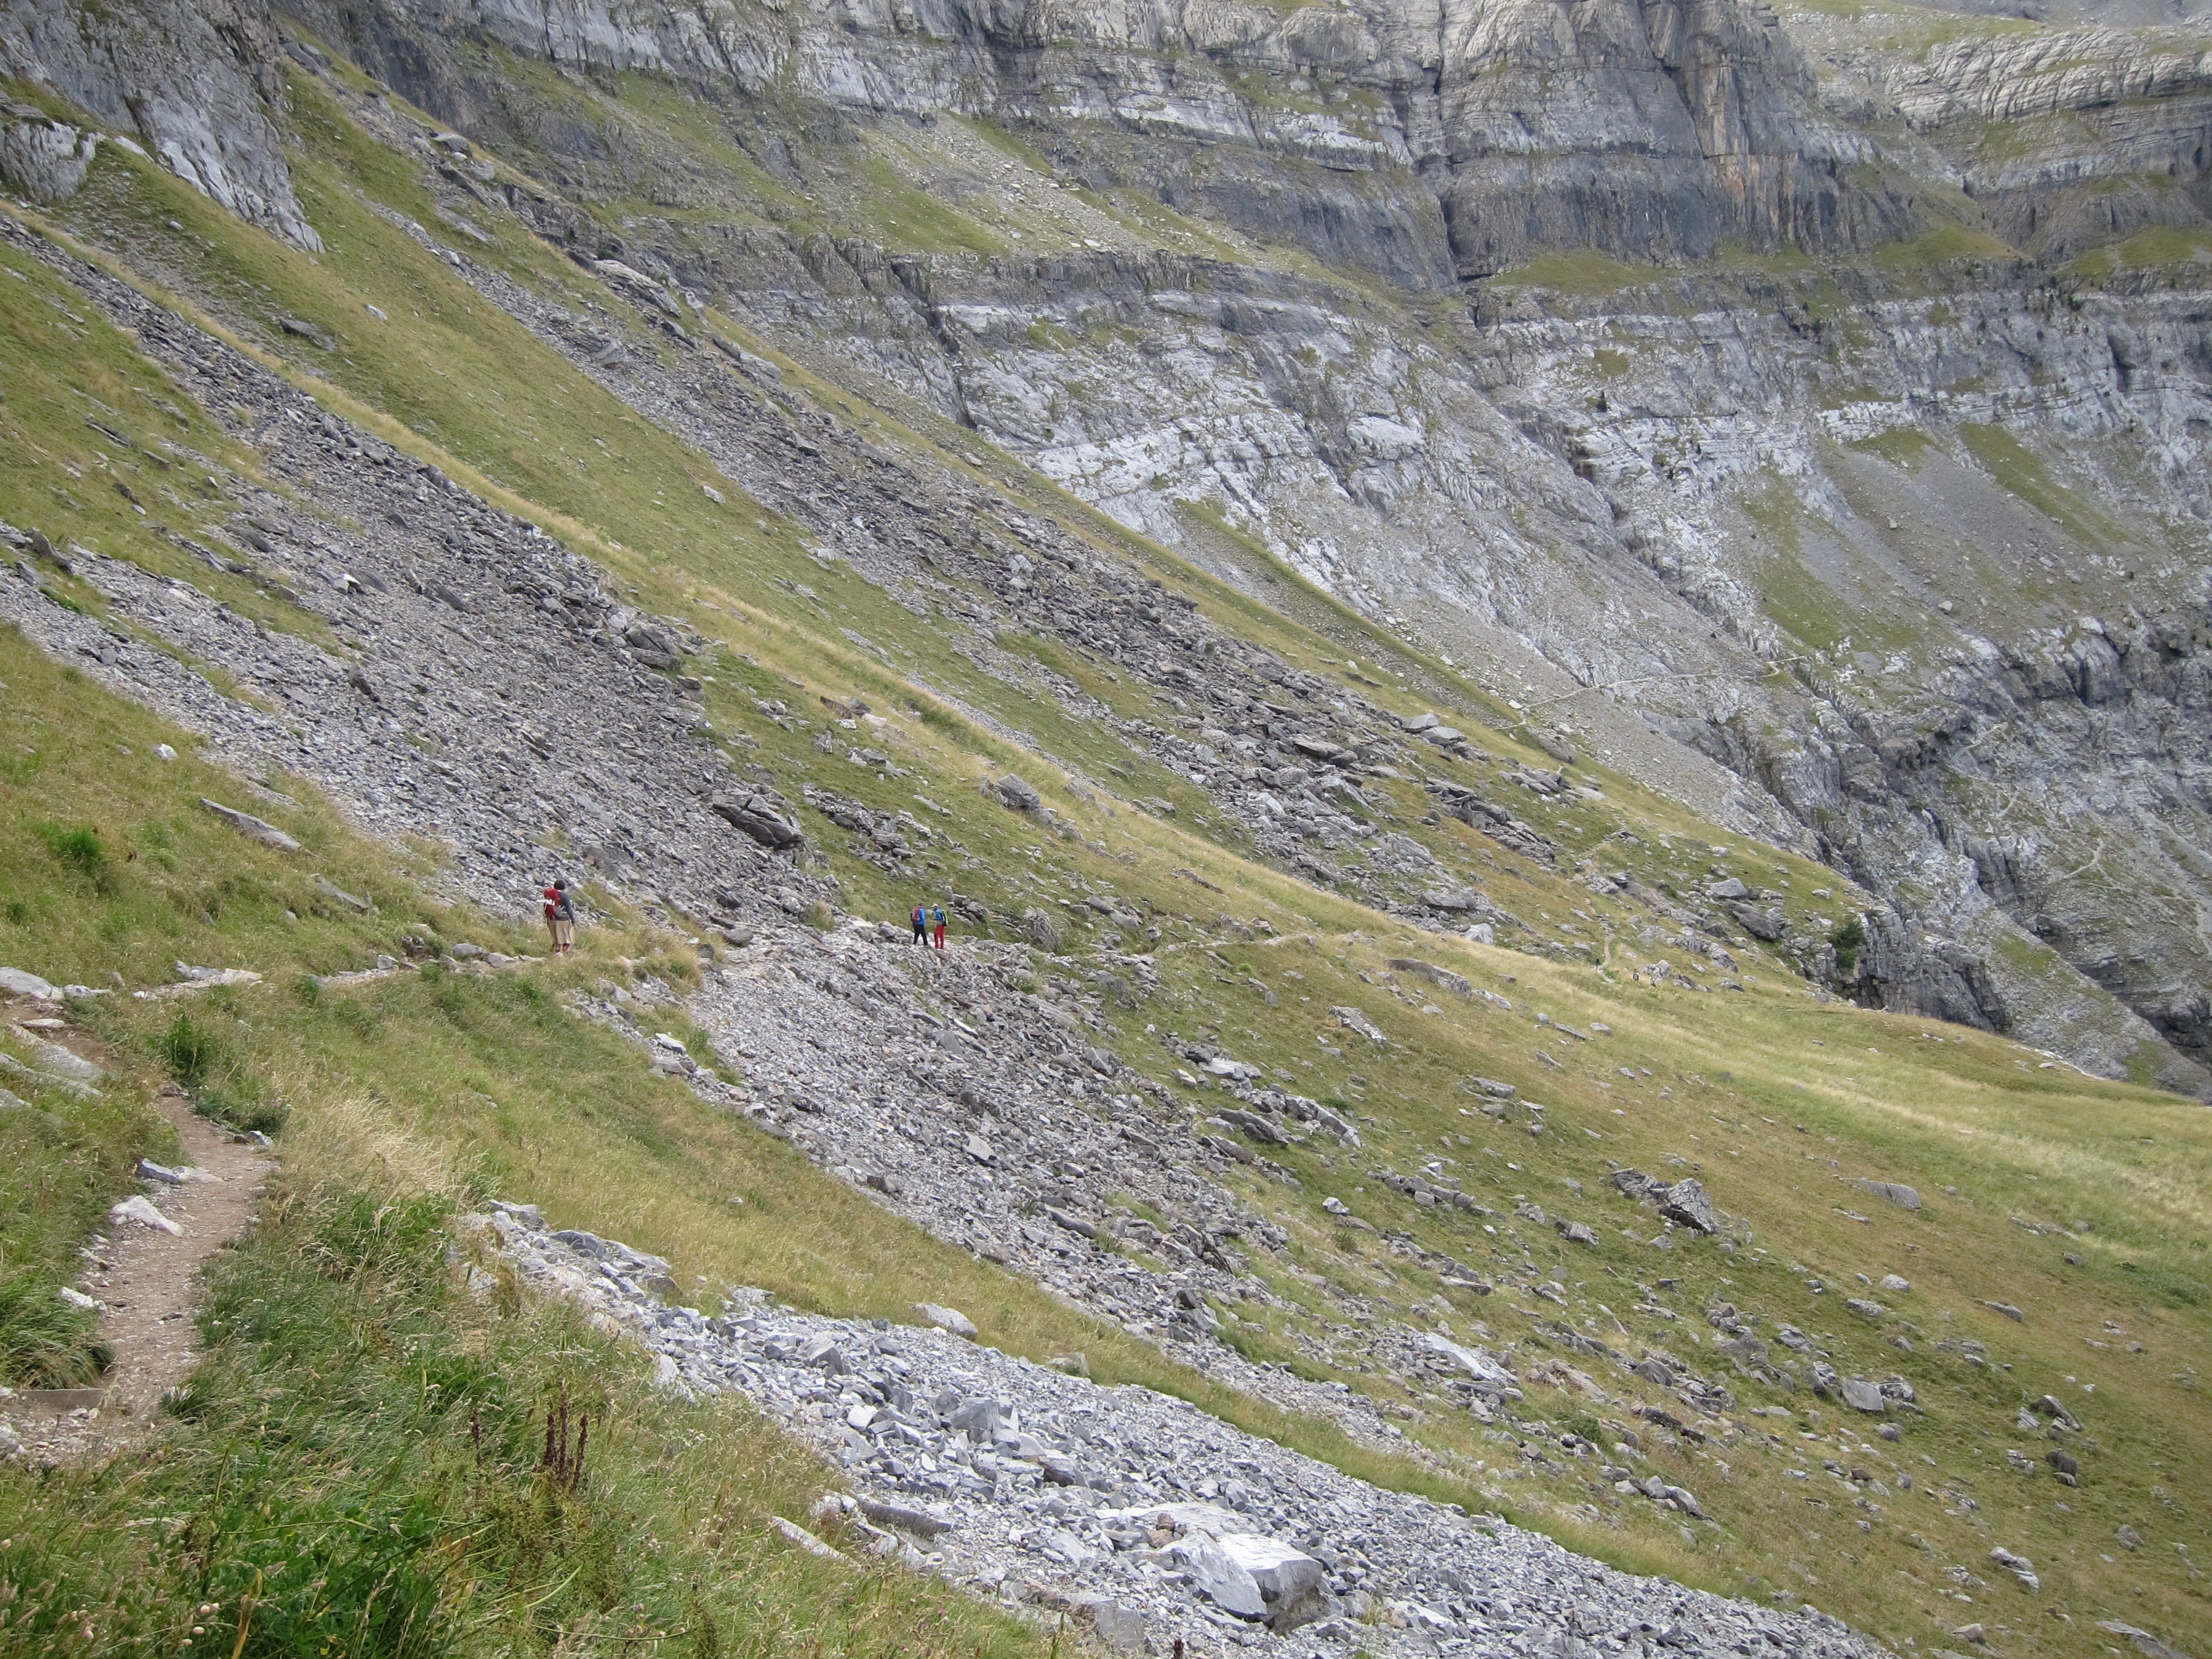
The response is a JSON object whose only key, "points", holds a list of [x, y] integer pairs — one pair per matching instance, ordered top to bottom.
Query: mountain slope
{"points": [[1642, 462], [529, 574]]}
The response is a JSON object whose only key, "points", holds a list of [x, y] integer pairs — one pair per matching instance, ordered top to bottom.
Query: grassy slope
{"points": [[461, 1076]]}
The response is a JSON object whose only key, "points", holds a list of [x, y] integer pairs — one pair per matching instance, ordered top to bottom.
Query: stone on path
{"points": [[140, 1209]]}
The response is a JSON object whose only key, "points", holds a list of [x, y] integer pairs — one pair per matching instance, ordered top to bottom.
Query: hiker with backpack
{"points": [[560, 918], [920, 921], [940, 927]]}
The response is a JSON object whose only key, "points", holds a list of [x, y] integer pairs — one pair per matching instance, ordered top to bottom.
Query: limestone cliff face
{"points": [[194, 82], [1650, 131], [1477, 132], [2066, 139], [1844, 475]]}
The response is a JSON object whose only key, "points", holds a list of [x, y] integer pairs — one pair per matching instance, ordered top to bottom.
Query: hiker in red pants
{"points": [[940, 927]]}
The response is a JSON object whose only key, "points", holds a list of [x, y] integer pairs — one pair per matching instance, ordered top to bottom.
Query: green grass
{"points": [[1918, 30], [2172, 248], [1916, 265], [1583, 272], [1903, 446], [2020, 470], [359, 1465]]}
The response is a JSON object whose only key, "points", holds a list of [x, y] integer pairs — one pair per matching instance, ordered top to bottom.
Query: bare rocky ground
{"points": [[141, 1272], [1131, 1511]]}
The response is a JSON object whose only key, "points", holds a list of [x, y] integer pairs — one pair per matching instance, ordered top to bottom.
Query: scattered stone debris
{"points": [[1149, 1520]]}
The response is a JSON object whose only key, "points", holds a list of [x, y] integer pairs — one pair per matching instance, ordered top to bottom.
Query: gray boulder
{"points": [[1018, 795], [757, 817], [251, 828], [1765, 922], [1442, 978], [62, 1062], [1254, 1127], [1634, 1183], [1896, 1192], [1687, 1203], [949, 1319], [824, 1352], [1489, 1372], [1861, 1396], [977, 1417], [1215, 1574], [1294, 1586], [1119, 1628], [2145, 1641]]}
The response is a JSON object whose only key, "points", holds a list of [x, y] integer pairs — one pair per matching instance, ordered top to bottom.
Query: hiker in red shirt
{"points": [[560, 918]]}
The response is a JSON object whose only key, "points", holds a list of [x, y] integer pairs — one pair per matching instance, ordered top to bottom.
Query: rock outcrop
{"points": [[193, 80]]}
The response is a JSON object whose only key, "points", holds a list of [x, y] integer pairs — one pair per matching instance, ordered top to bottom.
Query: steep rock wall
{"points": [[191, 80], [1480, 132]]}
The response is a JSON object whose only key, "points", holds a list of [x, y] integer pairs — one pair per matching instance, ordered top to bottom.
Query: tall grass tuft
{"points": [[79, 849], [194, 1052], [45, 1343]]}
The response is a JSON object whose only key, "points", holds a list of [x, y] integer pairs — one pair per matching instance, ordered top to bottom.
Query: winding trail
{"points": [[145, 1280]]}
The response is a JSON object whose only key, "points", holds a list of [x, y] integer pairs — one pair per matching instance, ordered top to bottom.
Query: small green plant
{"points": [[79, 849], [1849, 939], [193, 1052], [205, 1063], [266, 1115], [1585, 1426]]}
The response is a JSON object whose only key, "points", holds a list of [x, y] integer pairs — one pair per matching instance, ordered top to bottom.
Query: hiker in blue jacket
{"points": [[920, 921]]}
